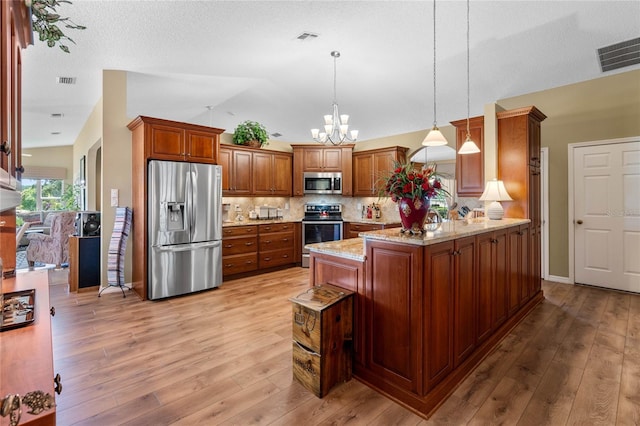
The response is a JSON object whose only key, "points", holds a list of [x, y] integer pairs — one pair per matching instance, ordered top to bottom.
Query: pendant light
{"points": [[434, 137], [469, 146]]}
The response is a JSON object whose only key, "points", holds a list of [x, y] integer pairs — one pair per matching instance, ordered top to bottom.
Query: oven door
{"points": [[318, 231]]}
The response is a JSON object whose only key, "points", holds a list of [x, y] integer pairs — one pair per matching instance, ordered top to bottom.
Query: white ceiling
{"points": [[242, 58]]}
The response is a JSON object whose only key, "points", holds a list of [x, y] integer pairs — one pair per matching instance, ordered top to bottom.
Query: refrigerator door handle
{"points": [[189, 182], [189, 247]]}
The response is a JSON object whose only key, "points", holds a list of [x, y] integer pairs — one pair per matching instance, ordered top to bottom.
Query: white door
{"points": [[607, 215]]}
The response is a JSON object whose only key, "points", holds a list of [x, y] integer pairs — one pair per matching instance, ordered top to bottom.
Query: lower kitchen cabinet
{"points": [[275, 244], [250, 248], [239, 249]]}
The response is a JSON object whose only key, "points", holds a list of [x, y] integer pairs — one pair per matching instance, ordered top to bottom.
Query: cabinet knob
{"points": [[5, 147], [20, 169], [579, 221], [52, 311], [58, 382]]}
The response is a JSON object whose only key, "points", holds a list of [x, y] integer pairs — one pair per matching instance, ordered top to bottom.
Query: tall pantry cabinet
{"points": [[519, 169]]}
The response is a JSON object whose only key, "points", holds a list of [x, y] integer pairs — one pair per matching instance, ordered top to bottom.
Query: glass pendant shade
{"points": [[434, 138], [468, 147]]}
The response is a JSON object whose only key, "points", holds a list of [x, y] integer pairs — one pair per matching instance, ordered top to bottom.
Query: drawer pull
{"points": [[285, 240], [267, 242], [250, 243], [228, 245], [284, 256], [267, 259], [248, 262], [228, 265]]}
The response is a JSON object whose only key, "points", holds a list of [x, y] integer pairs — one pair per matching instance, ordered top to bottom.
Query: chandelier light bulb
{"points": [[344, 118], [328, 119], [314, 133]]}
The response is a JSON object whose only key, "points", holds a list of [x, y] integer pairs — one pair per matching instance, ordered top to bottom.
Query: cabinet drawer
{"points": [[275, 227], [363, 227], [236, 231], [280, 240], [238, 245], [276, 258], [239, 263]]}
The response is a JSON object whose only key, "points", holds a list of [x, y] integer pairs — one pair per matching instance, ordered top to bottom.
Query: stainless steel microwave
{"points": [[322, 183]]}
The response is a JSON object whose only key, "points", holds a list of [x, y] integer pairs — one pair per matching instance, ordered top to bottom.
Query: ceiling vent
{"points": [[307, 36], [619, 55], [66, 80], [57, 115], [276, 135]]}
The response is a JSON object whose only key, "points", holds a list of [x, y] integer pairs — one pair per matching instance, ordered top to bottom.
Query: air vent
{"points": [[307, 36], [619, 55], [66, 80], [57, 115], [55, 133], [276, 135]]}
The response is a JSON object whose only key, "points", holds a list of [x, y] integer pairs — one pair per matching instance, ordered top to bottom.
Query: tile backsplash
{"points": [[293, 207]]}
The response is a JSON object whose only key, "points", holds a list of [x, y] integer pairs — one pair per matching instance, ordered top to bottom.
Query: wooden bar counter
{"points": [[429, 308], [26, 352]]}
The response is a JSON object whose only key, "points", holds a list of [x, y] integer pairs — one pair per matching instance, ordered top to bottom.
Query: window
{"points": [[43, 194]]}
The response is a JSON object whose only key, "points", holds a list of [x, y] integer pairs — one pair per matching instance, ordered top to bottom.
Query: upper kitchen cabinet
{"points": [[15, 35], [170, 140], [315, 158], [369, 167], [470, 167], [250, 171], [272, 173]]}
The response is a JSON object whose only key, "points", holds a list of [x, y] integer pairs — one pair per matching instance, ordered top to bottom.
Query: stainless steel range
{"points": [[322, 222]]}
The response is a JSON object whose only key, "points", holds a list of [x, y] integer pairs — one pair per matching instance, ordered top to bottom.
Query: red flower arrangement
{"points": [[408, 182]]}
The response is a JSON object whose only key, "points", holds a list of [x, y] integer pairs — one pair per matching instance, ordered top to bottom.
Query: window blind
{"points": [[44, 172]]}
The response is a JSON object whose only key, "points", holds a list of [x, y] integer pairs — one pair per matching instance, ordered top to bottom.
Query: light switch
{"points": [[114, 198]]}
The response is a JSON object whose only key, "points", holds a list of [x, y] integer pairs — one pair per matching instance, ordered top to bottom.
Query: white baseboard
{"points": [[557, 279]]}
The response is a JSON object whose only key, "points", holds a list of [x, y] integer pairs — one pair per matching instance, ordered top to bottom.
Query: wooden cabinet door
{"points": [[167, 143], [202, 147], [225, 159], [312, 159], [332, 160], [282, 164], [383, 165], [298, 167], [470, 167], [241, 172], [262, 174], [363, 175], [535, 254], [514, 268], [501, 277], [525, 279], [486, 284], [438, 315], [464, 323], [393, 351]]}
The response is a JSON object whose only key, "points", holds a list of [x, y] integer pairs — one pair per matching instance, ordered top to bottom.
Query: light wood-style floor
{"points": [[224, 357]]}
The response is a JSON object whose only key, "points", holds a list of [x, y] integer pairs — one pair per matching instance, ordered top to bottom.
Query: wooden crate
{"points": [[322, 328]]}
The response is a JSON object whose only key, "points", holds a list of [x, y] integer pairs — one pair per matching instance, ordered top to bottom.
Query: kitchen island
{"points": [[429, 308]]}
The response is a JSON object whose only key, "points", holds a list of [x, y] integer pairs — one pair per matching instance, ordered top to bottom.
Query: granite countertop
{"points": [[257, 222], [448, 231], [352, 248]]}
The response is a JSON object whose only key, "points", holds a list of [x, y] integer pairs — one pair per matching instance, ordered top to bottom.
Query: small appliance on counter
{"points": [[226, 212], [266, 212]]}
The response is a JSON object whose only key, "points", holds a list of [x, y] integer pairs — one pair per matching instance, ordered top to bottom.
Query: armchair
{"points": [[52, 248]]}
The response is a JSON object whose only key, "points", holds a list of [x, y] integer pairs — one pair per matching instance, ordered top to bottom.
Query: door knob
{"points": [[579, 222]]}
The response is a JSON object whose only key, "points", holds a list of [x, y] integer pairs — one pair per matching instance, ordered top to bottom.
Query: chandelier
{"points": [[336, 126], [435, 136], [469, 146]]}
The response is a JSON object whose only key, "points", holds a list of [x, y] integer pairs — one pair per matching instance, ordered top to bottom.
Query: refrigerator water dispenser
{"points": [[175, 217]]}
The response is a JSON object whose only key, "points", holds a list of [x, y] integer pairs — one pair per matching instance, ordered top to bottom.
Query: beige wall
{"points": [[604, 108], [89, 138], [57, 156]]}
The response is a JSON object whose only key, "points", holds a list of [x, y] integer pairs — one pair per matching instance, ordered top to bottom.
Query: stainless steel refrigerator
{"points": [[185, 228]]}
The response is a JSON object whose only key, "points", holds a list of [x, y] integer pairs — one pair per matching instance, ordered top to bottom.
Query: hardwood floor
{"points": [[223, 357]]}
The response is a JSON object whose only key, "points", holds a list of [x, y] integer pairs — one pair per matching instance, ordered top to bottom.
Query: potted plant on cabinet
{"points": [[251, 133]]}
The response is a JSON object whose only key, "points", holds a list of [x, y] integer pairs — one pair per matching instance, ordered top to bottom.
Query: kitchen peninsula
{"points": [[429, 308]]}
